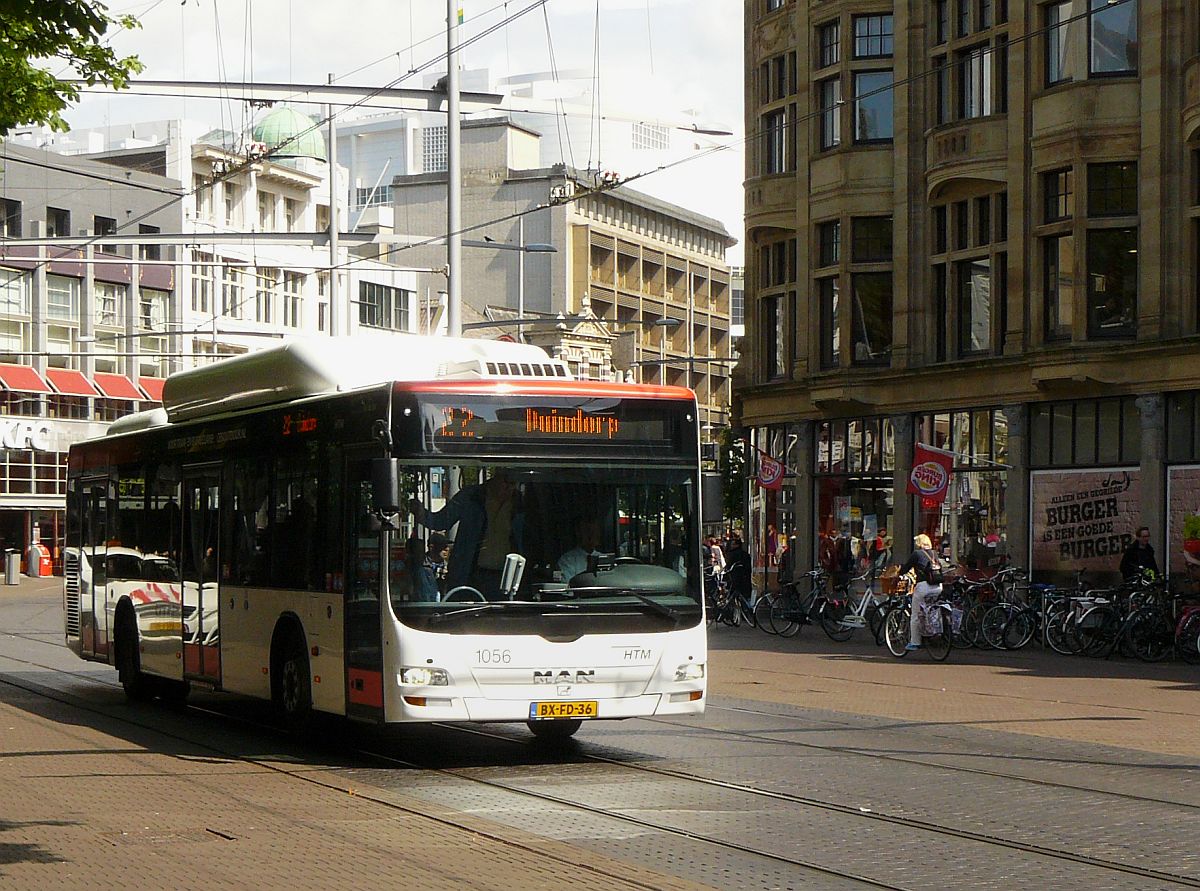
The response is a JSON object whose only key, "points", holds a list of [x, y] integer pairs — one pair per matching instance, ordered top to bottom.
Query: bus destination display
{"points": [[596, 422]]}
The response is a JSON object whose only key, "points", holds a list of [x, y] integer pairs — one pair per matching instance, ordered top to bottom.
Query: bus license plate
{"points": [[540, 711]]}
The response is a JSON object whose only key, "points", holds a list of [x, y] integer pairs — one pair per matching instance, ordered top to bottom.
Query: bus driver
{"points": [[489, 522]]}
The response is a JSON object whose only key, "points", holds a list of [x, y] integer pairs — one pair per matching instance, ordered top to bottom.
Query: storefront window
{"points": [[1085, 433], [855, 459]]}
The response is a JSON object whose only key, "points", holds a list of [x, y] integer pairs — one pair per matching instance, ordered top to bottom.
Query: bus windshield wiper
{"points": [[660, 608], [472, 611]]}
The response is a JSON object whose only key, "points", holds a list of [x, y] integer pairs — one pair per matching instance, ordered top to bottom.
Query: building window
{"points": [[985, 14], [941, 21], [962, 25], [872, 36], [1113, 38], [1059, 39], [828, 43], [1001, 69], [975, 82], [941, 86], [830, 96], [873, 106], [775, 135], [645, 137], [434, 146], [1112, 190], [202, 191], [1057, 195], [233, 202], [266, 211], [292, 211], [1002, 216], [10, 218], [983, 220], [58, 222], [105, 226], [962, 226], [939, 229], [872, 239], [829, 243], [149, 251], [266, 281], [203, 282], [1112, 282], [293, 284], [1058, 286], [232, 291], [14, 292], [62, 298], [110, 303], [380, 306], [154, 307], [974, 307], [941, 313], [872, 322], [773, 333], [831, 335]]}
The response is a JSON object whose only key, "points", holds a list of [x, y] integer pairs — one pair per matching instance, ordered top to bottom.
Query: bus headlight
{"points": [[690, 671], [425, 677]]}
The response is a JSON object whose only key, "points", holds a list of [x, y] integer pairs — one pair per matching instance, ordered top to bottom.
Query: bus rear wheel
{"points": [[138, 687], [555, 731]]}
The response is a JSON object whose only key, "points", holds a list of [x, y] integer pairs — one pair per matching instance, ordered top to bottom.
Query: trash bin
{"points": [[12, 566]]}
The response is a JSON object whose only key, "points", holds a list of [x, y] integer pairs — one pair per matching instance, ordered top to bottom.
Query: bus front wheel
{"points": [[137, 686], [293, 688]]}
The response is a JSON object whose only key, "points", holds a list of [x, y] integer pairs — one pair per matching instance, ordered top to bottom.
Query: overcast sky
{"points": [[656, 57]]}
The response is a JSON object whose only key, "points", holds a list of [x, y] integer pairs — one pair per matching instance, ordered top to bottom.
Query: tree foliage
{"points": [[37, 36], [732, 464]]}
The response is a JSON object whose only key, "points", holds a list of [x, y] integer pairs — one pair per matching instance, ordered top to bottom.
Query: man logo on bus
{"points": [[563, 676]]}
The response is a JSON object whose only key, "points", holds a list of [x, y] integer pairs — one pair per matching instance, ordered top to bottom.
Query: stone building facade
{"points": [[975, 224]]}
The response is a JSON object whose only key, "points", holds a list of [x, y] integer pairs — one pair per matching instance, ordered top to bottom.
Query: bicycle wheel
{"points": [[747, 611], [762, 613], [833, 614], [731, 615], [784, 619], [875, 619], [972, 621], [992, 625], [1019, 630], [895, 631], [1097, 631], [1058, 635], [1149, 635], [1187, 638], [940, 645]]}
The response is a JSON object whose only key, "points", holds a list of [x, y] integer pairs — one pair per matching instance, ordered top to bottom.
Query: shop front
{"points": [[855, 461], [1086, 487], [772, 505], [970, 526]]}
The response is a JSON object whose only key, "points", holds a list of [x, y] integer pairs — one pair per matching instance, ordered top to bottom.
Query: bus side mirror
{"points": [[386, 481]]}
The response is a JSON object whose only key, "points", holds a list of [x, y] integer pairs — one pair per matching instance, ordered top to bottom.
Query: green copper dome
{"points": [[283, 123]]}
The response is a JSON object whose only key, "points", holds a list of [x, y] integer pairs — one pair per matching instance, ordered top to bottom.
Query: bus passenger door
{"points": [[199, 562], [364, 608], [93, 619]]}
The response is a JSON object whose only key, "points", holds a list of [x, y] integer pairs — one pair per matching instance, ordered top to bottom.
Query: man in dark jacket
{"points": [[1139, 555], [738, 570]]}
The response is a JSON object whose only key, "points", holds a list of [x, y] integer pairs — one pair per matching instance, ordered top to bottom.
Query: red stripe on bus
{"points": [[366, 687]]}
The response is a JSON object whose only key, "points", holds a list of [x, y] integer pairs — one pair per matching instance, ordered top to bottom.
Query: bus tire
{"points": [[138, 686], [291, 687], [173, 693], [555, 731]]}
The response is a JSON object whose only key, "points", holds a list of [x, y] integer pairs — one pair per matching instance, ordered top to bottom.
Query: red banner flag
{"points": [[770, 471], [930, 476]]}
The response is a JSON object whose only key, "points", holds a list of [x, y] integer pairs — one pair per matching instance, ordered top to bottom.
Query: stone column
{"points": [[1154, 469], [1016, 495], [805, 497], [903, 505]]}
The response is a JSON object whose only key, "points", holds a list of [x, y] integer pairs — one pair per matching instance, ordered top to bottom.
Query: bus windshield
{"points": [[600, 534]]}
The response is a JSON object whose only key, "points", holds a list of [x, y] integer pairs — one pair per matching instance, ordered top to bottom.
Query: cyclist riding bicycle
{"points": [[922, 564]]}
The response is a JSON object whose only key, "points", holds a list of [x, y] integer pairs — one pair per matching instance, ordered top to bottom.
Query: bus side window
{"points": [[249, 519]]}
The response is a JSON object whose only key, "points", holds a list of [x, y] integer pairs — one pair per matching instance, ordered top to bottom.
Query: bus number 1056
{"points": [[493, 657]]}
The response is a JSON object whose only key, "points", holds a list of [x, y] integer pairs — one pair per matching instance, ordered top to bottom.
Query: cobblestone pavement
{"points": [[832, 754]]}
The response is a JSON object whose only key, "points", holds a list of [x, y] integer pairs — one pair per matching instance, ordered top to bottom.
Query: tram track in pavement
{"points": [[391, 760], [833, 807], [880, 816]]}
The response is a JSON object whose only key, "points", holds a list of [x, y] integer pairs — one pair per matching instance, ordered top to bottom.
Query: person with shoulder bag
{"points": [[926, 570]]}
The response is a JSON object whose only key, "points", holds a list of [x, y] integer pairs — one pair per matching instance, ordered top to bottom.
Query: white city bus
{"points": [[283, 502]]}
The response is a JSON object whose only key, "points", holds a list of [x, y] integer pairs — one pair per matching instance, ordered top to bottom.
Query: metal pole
{"points": [[453, 177], [521, 269], [334, 292], [690, 340]]}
